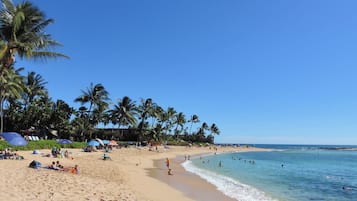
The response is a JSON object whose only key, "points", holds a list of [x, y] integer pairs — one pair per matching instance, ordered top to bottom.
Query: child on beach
{"points": [[168, 163], [75, 170]]}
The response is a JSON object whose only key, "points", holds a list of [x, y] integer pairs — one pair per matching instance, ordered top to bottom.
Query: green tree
{"points": [[22, 33], [11, 86], [35, 87], [97, 98], [144, 110], [124, 112], [155, 113], [61, 114], [168, 119], [194, 119], [180, 121], [81, 126], [214, 129], [200, 135]]}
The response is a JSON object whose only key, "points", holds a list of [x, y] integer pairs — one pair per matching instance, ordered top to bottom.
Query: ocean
{"points": [[288, 172]]}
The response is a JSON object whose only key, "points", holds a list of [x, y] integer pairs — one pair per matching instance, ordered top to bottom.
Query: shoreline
{"points": [[125, 177], [190, 184]]}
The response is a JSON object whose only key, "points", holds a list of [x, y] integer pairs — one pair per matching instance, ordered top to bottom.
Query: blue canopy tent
{"points": [[14, 139], [64, 141], [93, 143]]}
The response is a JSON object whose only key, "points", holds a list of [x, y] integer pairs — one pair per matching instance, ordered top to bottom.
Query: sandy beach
{"points": [[131, 174]]}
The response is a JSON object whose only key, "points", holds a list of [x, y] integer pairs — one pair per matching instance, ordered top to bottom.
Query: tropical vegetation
{"points": [[25, 105]]}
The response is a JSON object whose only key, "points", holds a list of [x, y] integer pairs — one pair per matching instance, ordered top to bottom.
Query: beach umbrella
{"points": [[14, 139], [64, 141], [100, 141], [105, 141], [93, 143]]}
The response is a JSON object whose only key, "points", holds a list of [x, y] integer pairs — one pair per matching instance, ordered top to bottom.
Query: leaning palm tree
{"points": [[22, 33], [11, 86]]}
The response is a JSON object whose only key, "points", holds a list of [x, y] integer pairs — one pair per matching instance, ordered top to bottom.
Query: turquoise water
{"points": [[293, 174]]}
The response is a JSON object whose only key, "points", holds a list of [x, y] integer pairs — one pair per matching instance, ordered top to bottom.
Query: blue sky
{"points": [[265, 71]]}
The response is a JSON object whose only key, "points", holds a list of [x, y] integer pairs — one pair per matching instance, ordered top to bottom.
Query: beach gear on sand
{"points": [[35, 164]]}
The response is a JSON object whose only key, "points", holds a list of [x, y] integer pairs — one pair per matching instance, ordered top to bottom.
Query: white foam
{"points": [[228, 186]]}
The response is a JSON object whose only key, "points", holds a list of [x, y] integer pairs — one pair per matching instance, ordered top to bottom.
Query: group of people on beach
{"points": [[8, 153], [58, 153], [57, 166]]}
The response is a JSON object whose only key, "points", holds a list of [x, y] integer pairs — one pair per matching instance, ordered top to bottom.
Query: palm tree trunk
{"points": [[1, 116], [191, 127]]}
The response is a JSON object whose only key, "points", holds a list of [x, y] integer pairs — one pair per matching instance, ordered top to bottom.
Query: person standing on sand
{"points": [[168, 163]]}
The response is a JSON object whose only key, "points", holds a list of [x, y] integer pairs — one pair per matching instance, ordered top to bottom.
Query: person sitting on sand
{"points": [[18, 157], [58, 165], [53, 166], [75, 170]]}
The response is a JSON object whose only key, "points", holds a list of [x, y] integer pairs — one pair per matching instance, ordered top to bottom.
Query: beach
{"points": [[130, 174]]}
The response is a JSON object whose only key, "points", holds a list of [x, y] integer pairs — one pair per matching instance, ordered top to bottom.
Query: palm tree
{"points": [[22, 33], [11, 86], [35, 87], [97, 97], [144, 110], [124, 112], [61, 113], [155, 113], [169, 118], [194, 119], [180, 122], [81, 126], [214, 129], [200, 136]]}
